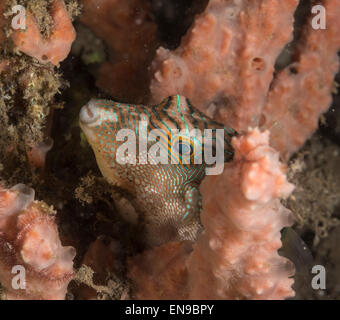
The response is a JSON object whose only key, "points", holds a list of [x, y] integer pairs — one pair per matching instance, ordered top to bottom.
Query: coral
{"points": [[129, 31], [58, 45], [227, 58], [225, 65], [28, 89], [302, 91], [27, 101], [37, 153], [315, 172], [166, 193], [149, 231], [242, 234], [29, 239], [236, 255], [161, 273], [98, 276]]}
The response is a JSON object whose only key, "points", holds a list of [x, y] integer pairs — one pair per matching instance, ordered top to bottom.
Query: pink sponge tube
{"points": [[30, 245], [236, 256]]}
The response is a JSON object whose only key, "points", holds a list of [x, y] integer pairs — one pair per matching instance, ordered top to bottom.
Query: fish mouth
{"points": [[89, 113]]}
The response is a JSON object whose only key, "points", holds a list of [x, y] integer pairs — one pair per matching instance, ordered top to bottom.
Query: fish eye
{"points": [[184, 147]]}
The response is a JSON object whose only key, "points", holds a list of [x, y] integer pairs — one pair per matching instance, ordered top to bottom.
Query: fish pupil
{"points": [[184, 148]]}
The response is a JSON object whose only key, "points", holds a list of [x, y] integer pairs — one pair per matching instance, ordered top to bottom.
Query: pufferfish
{"points": [[158, 155]]}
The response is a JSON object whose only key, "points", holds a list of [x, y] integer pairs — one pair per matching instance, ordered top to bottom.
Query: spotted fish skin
{"points": [[166, 194]]}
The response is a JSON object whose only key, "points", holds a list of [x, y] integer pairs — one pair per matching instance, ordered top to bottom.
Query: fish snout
{"points": [[89, 113]]}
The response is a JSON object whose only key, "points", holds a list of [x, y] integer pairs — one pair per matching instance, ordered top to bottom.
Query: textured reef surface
{"points": [[74, 74]]}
